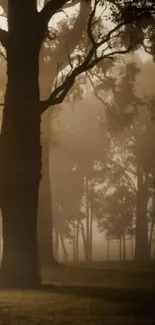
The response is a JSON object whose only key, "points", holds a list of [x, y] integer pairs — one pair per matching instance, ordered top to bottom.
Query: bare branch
{"points": [[52, 7], [90, 23], [3, 37], [91, 59], [94, 89], [61, 91]]}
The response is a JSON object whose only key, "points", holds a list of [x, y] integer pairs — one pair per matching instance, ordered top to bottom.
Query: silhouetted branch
{"points": [[52, 7], [3, 37], [92, 58], [94, 89], [58, 95]]}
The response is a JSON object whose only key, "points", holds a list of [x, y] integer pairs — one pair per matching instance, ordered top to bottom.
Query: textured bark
{"points": [[20, 159]]}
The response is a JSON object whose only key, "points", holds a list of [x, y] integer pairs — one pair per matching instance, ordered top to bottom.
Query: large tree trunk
{"points": [[20, 162], [45, 227], [142, 249]]}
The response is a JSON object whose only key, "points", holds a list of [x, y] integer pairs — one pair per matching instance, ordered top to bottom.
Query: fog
{"points": [[81, 139]]}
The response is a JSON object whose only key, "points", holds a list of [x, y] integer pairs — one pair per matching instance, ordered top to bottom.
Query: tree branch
{"points": [[51, 7], [3, 37], [92, 58], [58, 95]]}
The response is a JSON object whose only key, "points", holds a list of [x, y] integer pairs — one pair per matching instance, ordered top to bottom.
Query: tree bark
{"points": [[20, 159], [45, 226]]}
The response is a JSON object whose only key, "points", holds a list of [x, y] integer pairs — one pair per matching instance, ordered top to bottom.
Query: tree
{"points": [[54, 55], [20, 159], [118, 210]]}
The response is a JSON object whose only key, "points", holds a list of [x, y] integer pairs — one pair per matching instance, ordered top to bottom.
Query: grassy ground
{"points": [[109, 276], [98, 297], [41, 307]]}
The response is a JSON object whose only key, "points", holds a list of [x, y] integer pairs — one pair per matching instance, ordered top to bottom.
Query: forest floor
{"points": [[107, 275], [83, 296]]}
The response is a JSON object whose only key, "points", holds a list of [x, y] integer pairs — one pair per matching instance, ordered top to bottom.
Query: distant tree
{"points": [[117, 215]]}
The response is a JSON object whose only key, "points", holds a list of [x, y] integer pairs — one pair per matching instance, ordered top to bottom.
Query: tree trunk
{"points": [[20, 158], [87, 221], [152, 225], [45, 227], [91, 234], [151, 237], [0, 239], [84, 239], [74, 241], [77, 242], [56, 246], [124, 247], [132, 247], [64, 248], [108, 248], [120, 248], [141, 249]]}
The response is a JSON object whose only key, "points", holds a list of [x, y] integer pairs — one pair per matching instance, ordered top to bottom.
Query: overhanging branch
{"points": [[51, 7], [3, 37], [99, 51], [58, 95]]}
